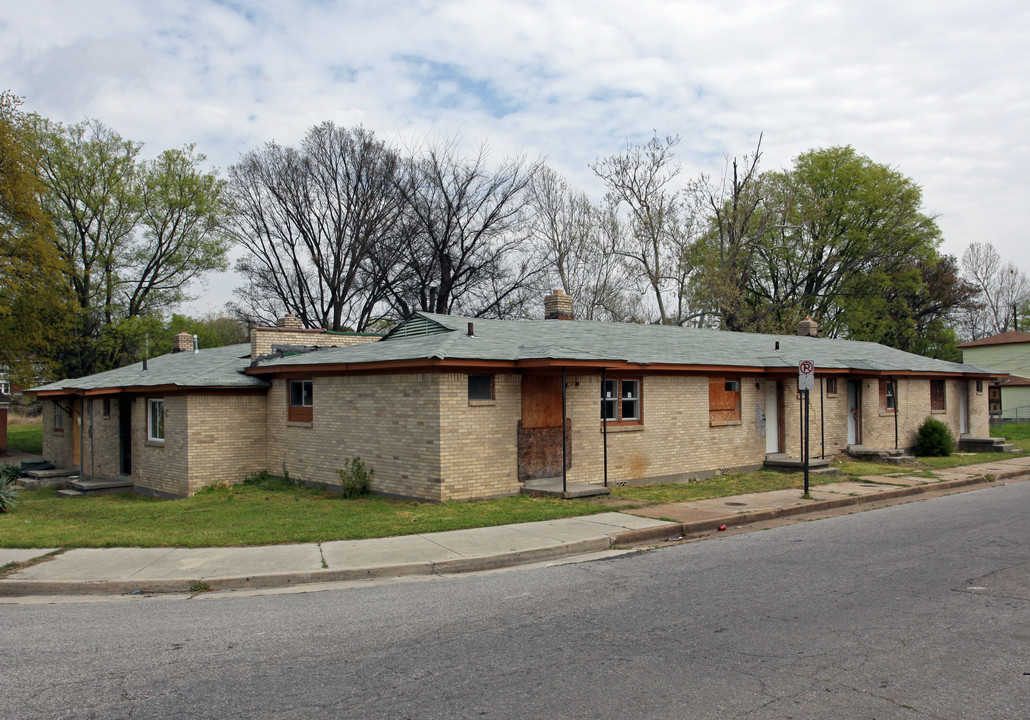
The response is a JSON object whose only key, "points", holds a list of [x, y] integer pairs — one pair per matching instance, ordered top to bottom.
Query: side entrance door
{"points": [[854, 412], [772, 417], [125, 434]]}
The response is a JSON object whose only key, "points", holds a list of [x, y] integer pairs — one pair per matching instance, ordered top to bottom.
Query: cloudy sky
{"points": [[938, 89]]}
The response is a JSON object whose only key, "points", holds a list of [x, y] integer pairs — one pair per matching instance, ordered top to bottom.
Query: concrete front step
{"points": [[967, 443], [782, 460], [98, 486], [552, 487], [68, 492]]}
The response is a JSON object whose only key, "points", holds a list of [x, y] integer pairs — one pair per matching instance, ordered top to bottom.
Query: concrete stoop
{"points": [[968, 443], [890, 456], [783, 460], [97, 486], [552, 487]]}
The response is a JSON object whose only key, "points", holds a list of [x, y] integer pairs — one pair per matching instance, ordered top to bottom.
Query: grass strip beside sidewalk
{"points": [[277, 512]]}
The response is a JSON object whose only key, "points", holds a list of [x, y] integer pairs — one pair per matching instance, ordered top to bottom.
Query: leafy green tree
{"points": [[841, 227], [133, 234], [34, 310]]}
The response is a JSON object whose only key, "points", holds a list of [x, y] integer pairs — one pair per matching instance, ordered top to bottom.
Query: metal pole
{"points": [[805, 400], [604, 425], [563, 438]]}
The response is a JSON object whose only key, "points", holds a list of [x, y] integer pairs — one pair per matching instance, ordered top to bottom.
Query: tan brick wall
{"points": [[262, 339], [392, 422], [227, 438], [479, 438], [675, 440], [57, 447], [101, 457], [161, 467]]}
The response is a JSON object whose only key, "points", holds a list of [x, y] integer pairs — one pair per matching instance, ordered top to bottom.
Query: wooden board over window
{"points": [[938, 398], [723, 399], [541, 401]]}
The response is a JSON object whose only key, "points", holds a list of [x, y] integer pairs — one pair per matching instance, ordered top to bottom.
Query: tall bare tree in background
{"points": [[314, 222], [465, 227], [660, 227], [576, 240], [727, 252], [1003, 290]]}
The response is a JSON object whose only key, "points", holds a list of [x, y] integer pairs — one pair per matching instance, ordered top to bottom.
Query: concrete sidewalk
{"points": [[147, 570]]}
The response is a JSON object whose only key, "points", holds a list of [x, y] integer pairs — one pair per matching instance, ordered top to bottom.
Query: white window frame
{"points": [[157, 404]]}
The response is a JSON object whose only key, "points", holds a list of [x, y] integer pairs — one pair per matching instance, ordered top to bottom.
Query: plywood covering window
{"points": [[723, 399], [938, 399], [301, 400], [621, 400], [887, 400]]}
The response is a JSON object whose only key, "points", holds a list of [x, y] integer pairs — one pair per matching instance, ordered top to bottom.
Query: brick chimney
{"points": [[558, 306], [289, 320], [808, 328], [183, 342]]}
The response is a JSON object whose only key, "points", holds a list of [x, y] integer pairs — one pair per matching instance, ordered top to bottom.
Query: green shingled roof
{"points": [[508, 340], [213, 367]]}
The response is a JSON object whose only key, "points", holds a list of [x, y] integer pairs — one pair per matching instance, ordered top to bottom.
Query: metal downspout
{"points": [[897, 405], [822, 422], [604, 425], [564, 440]]}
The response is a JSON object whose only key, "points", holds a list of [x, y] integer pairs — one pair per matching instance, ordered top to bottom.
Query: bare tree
{"points": [[311, 221], [661, 228], [464, 234], [575, 238], [729, 249], [1002, 289]]}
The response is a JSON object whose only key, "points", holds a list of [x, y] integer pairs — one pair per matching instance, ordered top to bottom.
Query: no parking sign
{"points": [[806, 375]]}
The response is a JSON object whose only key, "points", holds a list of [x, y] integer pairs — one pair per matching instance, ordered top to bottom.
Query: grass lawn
{"points": [[25, 437], [275, 512]]}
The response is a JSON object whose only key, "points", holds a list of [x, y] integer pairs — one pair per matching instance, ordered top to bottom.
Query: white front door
{"points": [[963, 409], [772, 417], [854, 420]]}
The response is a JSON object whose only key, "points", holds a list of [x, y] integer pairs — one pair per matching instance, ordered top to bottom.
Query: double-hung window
{"points": [[620, 400], [887, 400], [301, 401], [58, 418], [156, 419]]}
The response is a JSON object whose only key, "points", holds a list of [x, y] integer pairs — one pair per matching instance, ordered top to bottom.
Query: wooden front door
{"points": [[540, 431]]}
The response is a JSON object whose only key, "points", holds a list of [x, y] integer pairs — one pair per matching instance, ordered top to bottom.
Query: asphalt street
{"points": [[914, 611]]}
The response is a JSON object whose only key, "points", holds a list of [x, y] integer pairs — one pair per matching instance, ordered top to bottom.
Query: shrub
{"points": [[934, 439], [8, 474], [355, 479]]}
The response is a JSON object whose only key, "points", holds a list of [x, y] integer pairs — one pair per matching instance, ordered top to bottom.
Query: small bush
{"points": [[934, 439], [355, 479], [8, 493]]}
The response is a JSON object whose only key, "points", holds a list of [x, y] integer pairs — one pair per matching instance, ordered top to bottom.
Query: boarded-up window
{"points": [[723, 399], [938, 399], [301, 401]]}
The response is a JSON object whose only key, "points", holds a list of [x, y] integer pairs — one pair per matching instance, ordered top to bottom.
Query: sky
{"points": [[938, 90]]}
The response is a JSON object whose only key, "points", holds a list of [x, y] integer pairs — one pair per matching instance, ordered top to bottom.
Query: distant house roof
{"points": [[1006, 338], [430, 339], [220, 367], [1015, 381]]}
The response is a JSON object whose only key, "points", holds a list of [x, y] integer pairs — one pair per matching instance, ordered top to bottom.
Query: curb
{"points": [[667, 532], [474, 563], [287, 579]]}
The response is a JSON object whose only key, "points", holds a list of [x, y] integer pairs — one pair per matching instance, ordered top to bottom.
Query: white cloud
{"points": [[938, 90]]}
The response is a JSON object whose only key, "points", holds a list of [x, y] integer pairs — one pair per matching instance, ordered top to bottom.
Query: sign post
{"points": [[806, 381]]}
